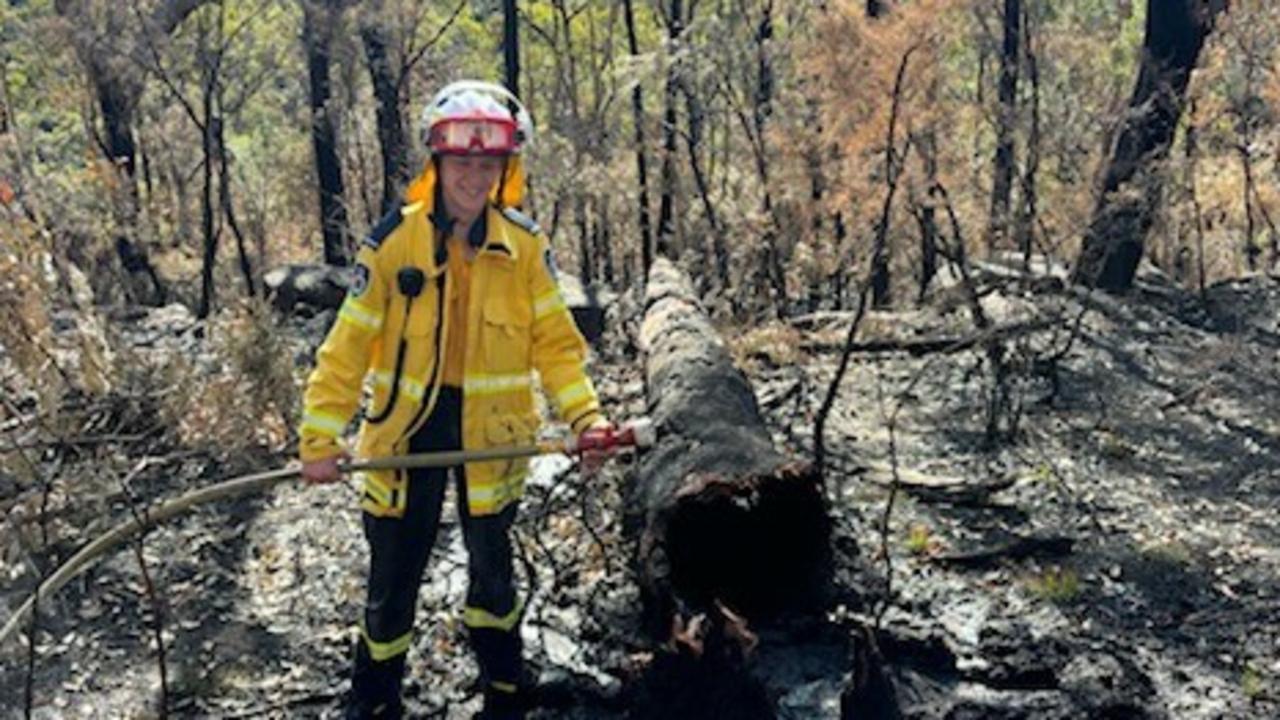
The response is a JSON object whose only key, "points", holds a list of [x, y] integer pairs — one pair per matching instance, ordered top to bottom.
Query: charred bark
{"points": [[320, 19], [511, 46], [392, 138], [642, 163], [1133, 182], [1002, 190], [666, 201], [722, 516]]}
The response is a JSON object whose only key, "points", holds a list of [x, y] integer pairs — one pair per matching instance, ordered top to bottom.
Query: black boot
{"points": [[499, 654], [375, 687], [502, 705], [356, 710]]}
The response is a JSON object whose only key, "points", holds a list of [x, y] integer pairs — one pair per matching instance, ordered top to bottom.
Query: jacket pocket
{"points": [[507, 334], [511, 430], [384, 492]]}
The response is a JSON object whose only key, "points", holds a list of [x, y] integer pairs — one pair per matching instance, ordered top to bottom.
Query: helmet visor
{"points": [[479, 136]]}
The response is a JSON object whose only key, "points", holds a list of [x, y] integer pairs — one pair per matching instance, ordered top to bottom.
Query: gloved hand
{"points": [[593, 446]]}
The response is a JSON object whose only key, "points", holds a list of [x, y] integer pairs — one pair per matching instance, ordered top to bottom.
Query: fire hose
{"points": [[636, 434]]}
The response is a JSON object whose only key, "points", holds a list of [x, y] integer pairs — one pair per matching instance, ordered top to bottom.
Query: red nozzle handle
{"points": [[637, 434]]}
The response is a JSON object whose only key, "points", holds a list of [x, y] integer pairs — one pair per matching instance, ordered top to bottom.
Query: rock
{"points": [[314, 287], [172, 320], [1017, 660], [1107, 686]]}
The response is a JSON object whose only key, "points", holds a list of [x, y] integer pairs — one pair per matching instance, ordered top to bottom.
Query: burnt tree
{"points": [[320, 20], [674, 20], [106, 41], [511, 46], [385, 76], [696, 116], [1007, 118], [642, 162], [1133, 181], [1027, 216], [723, 518]]}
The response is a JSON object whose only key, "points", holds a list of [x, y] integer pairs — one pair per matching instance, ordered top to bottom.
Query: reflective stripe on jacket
{"points": [[517, 322]]}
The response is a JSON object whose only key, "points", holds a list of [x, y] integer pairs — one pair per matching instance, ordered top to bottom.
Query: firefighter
{"points": [[453, 304]]}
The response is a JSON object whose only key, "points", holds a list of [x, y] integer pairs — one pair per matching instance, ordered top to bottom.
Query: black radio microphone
{"points": [[410, 281]]}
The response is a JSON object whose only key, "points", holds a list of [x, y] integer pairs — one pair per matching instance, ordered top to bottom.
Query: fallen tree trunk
{"points": [[723, 519]]}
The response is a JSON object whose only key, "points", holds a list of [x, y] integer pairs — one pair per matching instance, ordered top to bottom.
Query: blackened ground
{"points": [[1156, 458]]}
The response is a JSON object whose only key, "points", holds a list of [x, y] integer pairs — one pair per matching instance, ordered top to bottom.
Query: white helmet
{"points": [[470, 117]]}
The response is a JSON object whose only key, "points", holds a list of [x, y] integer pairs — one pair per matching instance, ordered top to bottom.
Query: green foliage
{"points": [[41, 77], [1042, 474], [919, 539], [1056, 584], [1252, 683]]}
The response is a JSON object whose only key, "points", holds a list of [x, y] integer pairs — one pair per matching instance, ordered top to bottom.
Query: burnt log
{"points": [[311, 287], [722, 519]]}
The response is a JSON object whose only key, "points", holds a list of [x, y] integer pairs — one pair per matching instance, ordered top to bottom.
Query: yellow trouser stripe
{"points": [[547, 303], [360, 315], [496, 384], [323, 423], [496, 491], [478, 508], [474, 617], [386, 650], [505, 687]]}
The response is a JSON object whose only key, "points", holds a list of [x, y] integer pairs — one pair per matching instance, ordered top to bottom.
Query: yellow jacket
{"points": [[517, 322]]}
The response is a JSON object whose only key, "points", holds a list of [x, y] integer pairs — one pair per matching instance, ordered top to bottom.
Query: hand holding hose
{"points": [[594, 444], [324, 471]]}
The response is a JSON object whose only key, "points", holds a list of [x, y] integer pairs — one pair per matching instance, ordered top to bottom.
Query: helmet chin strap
{"points": [[502, 179], [441, 220]]}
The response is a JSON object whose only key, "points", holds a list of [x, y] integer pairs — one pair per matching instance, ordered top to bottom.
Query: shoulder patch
{"points": [[524, 221], [385, 226], [359, 280]]}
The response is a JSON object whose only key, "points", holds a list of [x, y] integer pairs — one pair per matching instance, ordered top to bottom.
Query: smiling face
{"points": [[465, 183]]}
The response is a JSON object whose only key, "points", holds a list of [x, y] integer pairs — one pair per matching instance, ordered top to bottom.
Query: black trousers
{"points": [[399, 550]]}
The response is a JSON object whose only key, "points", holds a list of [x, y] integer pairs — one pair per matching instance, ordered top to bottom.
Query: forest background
{"points": [[779, 149]]}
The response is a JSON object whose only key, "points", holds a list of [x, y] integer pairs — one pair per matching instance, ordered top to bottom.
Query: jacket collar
{"points": [[497, 241]]}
